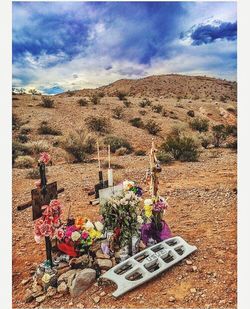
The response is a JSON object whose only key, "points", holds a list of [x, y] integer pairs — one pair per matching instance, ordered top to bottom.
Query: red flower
{"points": [[45, 158], [117, 232]]}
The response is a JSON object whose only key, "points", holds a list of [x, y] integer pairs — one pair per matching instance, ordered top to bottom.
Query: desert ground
{"points": [[202, 195]]}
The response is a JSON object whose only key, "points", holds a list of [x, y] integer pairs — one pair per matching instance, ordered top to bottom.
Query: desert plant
{"points": [[121, 95], [95, 99], [223, 99], [47, 102], [82, 102], [126, 102], [145, 102], [157, 108], [118, 112], [142, 112], [190, 113], [16, 122], [136, 122], [98, 124], [199, 124], [153, 127], [46, 129], [25, 130], [231, 130], [219, 134], [22, 138], [206, 140], [116, 142], [79, 143], [232, 145], [38, 146], [181, 147], [19, 149], [121, 151], [140, 152], [164, 157], [24, 162], [33, 174]]}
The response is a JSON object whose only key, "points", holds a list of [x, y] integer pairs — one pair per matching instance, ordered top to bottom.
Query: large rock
{"points": [[101, 255], [80, 262], [104, 263], [65, 276], [82, 281], [62, 288]]}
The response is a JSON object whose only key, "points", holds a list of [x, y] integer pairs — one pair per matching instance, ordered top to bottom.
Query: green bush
{"points": [[121, 95], [47, 102], [83, 102], [145, 102], [157, 108], [118, 112], [137, 122], [98, 124], [199, 124], [153, 127], [46, 129], [231, 130], [220, 134], [205, 139], [116, 142], [79, 144], [37, 147], [182, 148], [140, 152], [164, 157], [24, 162], [33, 174]]}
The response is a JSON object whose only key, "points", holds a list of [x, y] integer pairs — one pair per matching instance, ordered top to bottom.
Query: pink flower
{"points": [[45, 158], [69, 230], [59, 234], [85, 235]]}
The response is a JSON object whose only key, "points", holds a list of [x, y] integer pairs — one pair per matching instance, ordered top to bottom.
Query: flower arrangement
{"points": [[44, 158], [120, 213], [50, 221], [76, 239]]}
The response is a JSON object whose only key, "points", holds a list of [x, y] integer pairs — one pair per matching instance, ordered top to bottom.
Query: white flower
{"points": [[127, 184], [148, 202], [139, 219], [89, 225], [99, 226], [75, 236], [38, 239]]}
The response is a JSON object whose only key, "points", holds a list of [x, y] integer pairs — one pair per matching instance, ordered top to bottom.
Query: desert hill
{"points": [[170, 86]]}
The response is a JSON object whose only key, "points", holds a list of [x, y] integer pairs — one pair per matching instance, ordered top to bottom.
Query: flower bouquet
{"points": [[154, 228]]}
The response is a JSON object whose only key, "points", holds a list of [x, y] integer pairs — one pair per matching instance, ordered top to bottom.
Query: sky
{"points": [[60, 46]]}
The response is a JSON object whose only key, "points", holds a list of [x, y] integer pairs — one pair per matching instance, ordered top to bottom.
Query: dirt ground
{"points": [[202, 197]]}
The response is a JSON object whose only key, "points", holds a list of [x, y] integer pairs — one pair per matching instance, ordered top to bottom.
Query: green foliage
{"points": [[121, 95], [47, 102], [83, 102], [118, 112], [137, 122], [98, 124], [199, 124], [153, 127], [46, 129], [231, 130], [219, 133], [206, 140], [116, 142], [79, 144], [19, 149], [164, 157], [24, 162], [33, 174]]}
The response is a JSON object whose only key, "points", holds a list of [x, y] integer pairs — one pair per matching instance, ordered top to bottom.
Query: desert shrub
{"points": [[70, 93], [101, 94], [121, 95], [95, 99], [223, 99], [47, 102], [83, 102], [126, 102], [145, 102], [157, 108], [118, 112], [142, 112], [190, 113], [16, 122], [136, 122], [98, 124], [199, 124], [153, 127], [46, 129], [25, 130], [231, 130], [219, 134], [22, 138], [206, 140], [116, 142], [79, 144], [232, 145], [38, 147], [181, 147], [19, 149], [121, 151], [140, 152], [164, 157], [24, 162], [33, 174]]}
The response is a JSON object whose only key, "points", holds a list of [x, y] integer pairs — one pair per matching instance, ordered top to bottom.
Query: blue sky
{"points": [[59, 46]]}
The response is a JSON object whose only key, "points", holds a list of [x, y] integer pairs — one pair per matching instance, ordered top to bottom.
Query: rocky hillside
{"points": [[170, 86]]}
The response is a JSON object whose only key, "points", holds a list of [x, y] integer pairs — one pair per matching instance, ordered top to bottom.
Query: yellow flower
{"points": [[148, 208], [148, 213], [92, 233], [46, 278]]}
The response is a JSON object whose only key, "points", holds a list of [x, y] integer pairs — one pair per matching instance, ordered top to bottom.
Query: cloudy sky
{"points": [[59, 46]]}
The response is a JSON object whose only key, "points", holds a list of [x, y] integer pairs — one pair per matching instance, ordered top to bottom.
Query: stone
{"points": [[101, 255], [81, 262], [188, 262], [104, 264], [194, 268], [63, 270], [66, 275], [25, 281], [82, 281], [62, 288], [193, 290], [51, 291], [102, 294], [28, 297], [40, 299], [96, 299], [171, 299], [80, 305]]}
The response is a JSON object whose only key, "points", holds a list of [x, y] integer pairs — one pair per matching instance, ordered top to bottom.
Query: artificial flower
{"points": [[44, 158], [38, 184], [127, 185], [148, 202], [148, 213], [139, 219], [79, 222], [89, 225], [99, 226], [69, 230], [59, 233], [85, 235], [75, 236], [46, 278]]}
